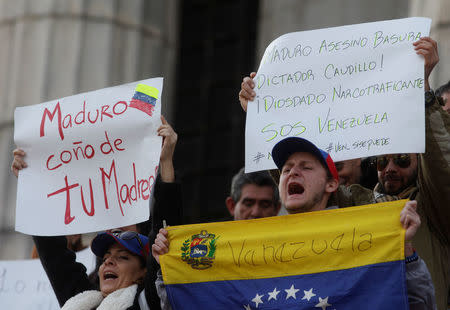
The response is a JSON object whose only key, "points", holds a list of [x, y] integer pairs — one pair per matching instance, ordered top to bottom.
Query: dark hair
{"points": [[443, 89], [259, 178], [142, 260]]}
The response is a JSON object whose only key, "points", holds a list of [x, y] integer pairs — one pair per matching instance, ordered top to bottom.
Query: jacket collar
{"points": [[118, 300]]}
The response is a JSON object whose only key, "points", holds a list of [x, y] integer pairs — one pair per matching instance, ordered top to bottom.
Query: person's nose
{"points": [[391, 167], [295, 171], [256, 211], [109, 261]]}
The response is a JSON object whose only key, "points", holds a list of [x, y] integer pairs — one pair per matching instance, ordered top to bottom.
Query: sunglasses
{"points": [[401, 160], [128, 235]]}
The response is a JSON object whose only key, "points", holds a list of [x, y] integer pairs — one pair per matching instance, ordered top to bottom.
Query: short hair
{"points": [[443, 89], [258, 178]]}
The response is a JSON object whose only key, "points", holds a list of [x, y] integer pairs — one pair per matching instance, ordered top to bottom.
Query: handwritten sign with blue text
{"points": [[354, 91], [92, 159]]}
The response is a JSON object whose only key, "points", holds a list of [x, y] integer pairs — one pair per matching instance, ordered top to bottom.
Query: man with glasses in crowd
{"points": [[396, 173], [423, 177]]}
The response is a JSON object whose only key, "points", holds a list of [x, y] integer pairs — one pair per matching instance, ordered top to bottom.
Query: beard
{"points": [[410, 180]]}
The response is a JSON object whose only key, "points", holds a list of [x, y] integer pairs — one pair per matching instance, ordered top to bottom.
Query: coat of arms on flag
{"points": [[198, 251], [350, 258]]}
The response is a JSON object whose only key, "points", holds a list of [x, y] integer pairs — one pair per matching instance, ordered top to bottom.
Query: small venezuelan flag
{"points": [[144, 98], [351, 258]]}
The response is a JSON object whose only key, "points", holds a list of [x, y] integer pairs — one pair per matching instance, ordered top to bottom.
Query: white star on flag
{"points": [[291, 292], [273, 294], [308, 294], [257, 300], [323, 303], [247, 307]]}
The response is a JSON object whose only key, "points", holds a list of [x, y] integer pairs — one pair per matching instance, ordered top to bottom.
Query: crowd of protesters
{"points": [[306, 180]]}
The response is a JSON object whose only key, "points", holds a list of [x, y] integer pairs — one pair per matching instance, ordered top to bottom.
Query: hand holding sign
{"points": [[427, 47], [247, 93], [168, 148], [18, 162]]}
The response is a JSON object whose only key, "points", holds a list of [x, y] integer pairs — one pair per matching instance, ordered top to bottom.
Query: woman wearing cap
{"points": [[127, 273], [123, 274]]}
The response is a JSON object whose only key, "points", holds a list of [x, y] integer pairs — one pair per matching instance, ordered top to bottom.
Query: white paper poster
{"points": [[354, 91], [92, 159], [24, 284]]}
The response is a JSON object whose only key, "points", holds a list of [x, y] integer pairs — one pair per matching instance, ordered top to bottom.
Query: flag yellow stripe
{"points": [[148, 90], [292, 244]]}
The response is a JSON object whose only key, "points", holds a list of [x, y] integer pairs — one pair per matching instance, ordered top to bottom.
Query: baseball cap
{"points": [[286, 147], [131, 240]]}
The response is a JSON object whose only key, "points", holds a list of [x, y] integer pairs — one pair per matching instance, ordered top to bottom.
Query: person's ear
{"points": [[332, 185], [231, 205]]}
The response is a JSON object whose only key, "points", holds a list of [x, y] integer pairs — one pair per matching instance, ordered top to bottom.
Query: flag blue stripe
{"points": [[145, 98], [379, 286]]}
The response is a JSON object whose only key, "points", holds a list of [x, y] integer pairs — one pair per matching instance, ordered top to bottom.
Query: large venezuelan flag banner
{"points": [[350, 258]]}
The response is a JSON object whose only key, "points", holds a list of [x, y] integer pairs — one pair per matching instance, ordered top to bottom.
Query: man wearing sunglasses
{"points": [[396, 173], [423, 177]]}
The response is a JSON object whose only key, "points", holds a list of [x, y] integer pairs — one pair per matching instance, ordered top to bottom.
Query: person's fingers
{"points": [[426, 39], [425, 49], [252, 75], [248, 85], [245, 94], [165, 128], [163, 131], [166, 132], [19, 152], [19, 162], [15, 165], [412, 204], [408, 213], [402, 218], [410, 219], [407, 221], [163, 232], [161, 239], [162, 246], [157, 249]]}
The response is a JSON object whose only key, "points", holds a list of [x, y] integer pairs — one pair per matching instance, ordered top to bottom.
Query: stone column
{"points": [[439, 12]]}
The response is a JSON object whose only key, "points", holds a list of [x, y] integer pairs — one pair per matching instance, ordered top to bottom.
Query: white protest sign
{"points": [[354, 91], [92, 159], [24, 284]]}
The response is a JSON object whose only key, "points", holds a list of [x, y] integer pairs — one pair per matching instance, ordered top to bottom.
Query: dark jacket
{"points": [[432, 192], [68, 278]]}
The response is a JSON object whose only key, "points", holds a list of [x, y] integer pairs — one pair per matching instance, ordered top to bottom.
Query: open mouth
{"points": [[295, 188], [109, 275]]}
